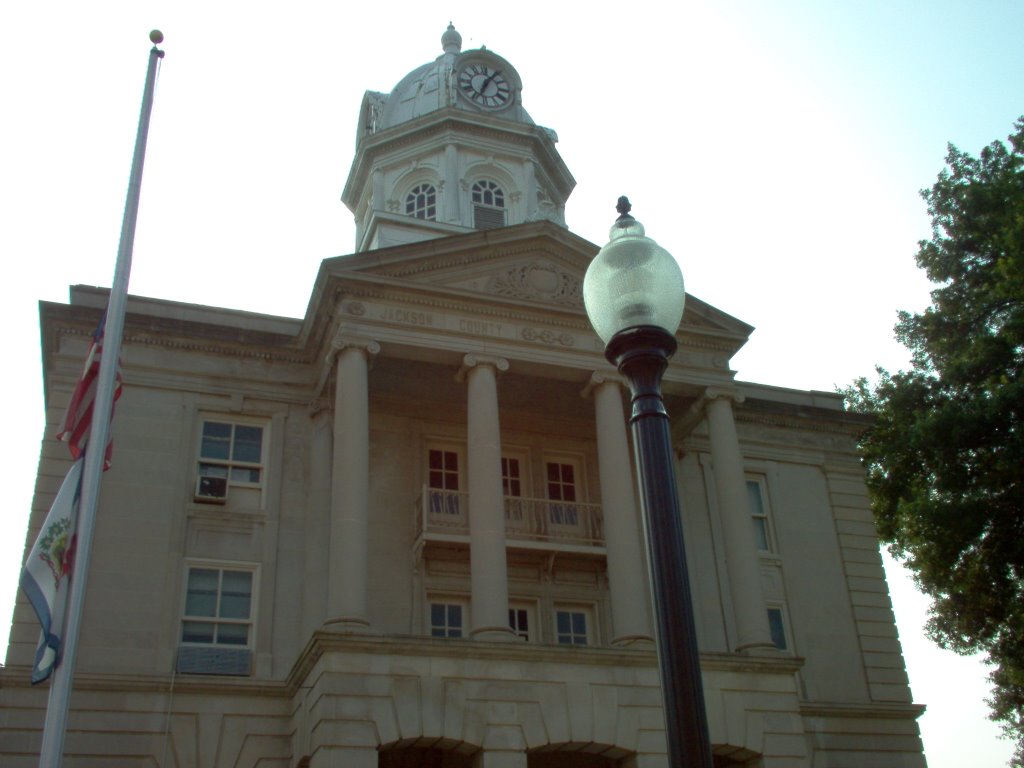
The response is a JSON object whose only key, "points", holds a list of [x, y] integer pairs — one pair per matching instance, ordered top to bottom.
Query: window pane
{"points": [[216, 440], [248, 444], [435, 459], [451, 461], [213, 470], [245, 475], [754, 497], [760, 533], [236, 594], [201, 597], [437, 615], [455, 616], [518, 620], [564, 622], [579, 624], [571, 627], [776, 628], [197, 632], [233, 634]]}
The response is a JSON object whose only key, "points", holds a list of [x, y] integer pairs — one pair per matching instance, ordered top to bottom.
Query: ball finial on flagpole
{"points": [[156, 36]]}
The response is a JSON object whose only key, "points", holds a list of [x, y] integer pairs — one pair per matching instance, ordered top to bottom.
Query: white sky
{"points": [[776, 149]]}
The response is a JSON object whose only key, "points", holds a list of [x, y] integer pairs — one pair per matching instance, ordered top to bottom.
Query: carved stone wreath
{"points": [[540, 281]]}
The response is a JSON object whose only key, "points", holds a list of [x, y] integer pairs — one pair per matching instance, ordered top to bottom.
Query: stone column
{"points": [[450, 184], [530, 188], [377, 201], [350, 486], [318, 515], [741, 558], [487, 563], [626, 574]]}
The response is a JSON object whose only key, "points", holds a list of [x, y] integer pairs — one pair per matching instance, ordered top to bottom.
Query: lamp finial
{"points": [[623, 207]]}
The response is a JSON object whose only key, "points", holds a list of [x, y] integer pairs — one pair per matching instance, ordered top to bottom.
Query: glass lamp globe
{"points": [[632, 282]]}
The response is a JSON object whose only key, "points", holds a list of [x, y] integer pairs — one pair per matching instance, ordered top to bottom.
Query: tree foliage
{"points": [[945, 454]]}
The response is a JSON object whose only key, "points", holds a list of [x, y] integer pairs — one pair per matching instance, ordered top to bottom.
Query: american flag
{"points": [[78, 419]]}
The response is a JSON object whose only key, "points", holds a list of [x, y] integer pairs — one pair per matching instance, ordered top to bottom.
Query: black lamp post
{"points": [[634, 295]]}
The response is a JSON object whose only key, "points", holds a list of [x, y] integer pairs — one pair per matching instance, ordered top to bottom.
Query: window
{"points": [[421, 202], [488, 205], [232, 452], [443, 480], [511, 480], [561, 480], [512, 488], [759, 515], [218, 607], [447, 618], [521, 619], [572, 626], [777, 628]]}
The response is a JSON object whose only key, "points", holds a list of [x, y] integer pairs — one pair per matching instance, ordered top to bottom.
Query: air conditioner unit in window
{"points": [[212, 490]]}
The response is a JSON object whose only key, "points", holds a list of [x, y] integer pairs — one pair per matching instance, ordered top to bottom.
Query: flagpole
{"points": [[52, 749]]}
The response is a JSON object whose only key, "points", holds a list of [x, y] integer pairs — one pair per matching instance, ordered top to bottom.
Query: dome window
{"points": [[421, 202], [488, 205]]}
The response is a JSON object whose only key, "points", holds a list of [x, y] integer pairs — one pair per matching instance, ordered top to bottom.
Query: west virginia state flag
{"points": [[46, 576]]}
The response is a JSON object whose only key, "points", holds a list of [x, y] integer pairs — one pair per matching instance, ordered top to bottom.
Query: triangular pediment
{"points": [[537, 262], [539, 265]]}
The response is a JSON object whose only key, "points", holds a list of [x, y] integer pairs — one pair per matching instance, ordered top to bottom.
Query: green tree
{"points": [[945, 454]]}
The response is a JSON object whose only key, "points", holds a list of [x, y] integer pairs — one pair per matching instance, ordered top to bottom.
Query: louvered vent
{"points": [[485, 217], [200, 660]]}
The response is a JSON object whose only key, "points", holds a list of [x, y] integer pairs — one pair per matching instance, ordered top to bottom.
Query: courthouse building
{"points": [[306, 556]]}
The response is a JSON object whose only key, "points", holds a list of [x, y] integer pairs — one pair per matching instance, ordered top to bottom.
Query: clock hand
{"points": [[487, 82]]}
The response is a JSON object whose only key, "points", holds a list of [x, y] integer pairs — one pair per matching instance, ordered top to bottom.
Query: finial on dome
{"points": [[451, 40]]}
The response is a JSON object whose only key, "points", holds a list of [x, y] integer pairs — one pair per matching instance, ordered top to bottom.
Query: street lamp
{"points": [[634, 295]]}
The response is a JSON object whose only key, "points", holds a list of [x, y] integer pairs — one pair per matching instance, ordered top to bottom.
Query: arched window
{"points": [[421, 202], [488, 205]]}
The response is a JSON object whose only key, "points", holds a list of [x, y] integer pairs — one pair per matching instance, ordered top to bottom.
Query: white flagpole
{"points": [[52, 749]]}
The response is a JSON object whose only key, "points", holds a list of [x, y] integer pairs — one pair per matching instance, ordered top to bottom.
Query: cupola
{"points": [[451, 149]]}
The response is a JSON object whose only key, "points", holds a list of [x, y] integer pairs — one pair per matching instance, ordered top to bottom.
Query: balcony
{"points": [[539, 524]]}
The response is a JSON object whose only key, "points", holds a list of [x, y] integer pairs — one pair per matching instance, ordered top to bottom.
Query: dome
{"points": [[435, 86]]}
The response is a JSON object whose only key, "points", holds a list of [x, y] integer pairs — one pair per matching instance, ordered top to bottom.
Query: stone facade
{"points": [[403, 529]]}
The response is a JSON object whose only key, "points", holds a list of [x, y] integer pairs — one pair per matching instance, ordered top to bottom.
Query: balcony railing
{"points": [[446, 513]]}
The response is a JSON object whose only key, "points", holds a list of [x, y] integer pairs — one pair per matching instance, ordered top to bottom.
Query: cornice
{"points": [[453, 122], [485, 254], [257, 352], [803, 417], [324, 642], [19, 676], [874, 711]]}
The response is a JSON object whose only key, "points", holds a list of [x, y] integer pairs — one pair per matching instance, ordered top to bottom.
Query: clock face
{"points": [[485, 87]]}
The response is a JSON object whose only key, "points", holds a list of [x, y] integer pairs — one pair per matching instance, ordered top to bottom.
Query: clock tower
{"points": [[449, 150]]}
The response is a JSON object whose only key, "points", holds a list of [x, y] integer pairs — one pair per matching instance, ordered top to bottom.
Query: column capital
{"points": [[338, 343], [472, 360], [598, 379], [731, 394], [319, 406], [695, 413]]}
